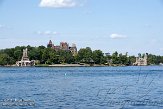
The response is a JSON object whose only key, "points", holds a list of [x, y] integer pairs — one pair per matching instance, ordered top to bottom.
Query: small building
{"points": [[107, 54], [25, 60], [141, 61]]}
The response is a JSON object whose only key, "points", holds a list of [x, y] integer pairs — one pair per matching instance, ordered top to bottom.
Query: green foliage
{"points": [[18, 54], [85, 55], [46, 56], [65, 56], [98, 57], [115, 58], [4, 59], [123, 59], [132, 59], [153, 59]]}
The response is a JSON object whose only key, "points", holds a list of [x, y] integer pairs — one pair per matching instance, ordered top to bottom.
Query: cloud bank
{"points": [[58, 3], [48, 32], [117, 36]]}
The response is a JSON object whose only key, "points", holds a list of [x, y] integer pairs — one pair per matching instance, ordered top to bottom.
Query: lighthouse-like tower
{"points": [[25, 60]]}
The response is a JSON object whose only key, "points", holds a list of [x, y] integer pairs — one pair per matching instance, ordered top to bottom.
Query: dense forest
{"points": [[49, 56]]}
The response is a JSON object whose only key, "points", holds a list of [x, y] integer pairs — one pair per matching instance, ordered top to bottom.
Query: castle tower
{"points": [[50, 44], [25, 55], [146, 59], [25, 60]]}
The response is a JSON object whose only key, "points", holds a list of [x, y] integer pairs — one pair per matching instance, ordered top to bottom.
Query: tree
{"points": [[10, 51], [35, 53], [18, 54], [85, 55], [46, 56], [65, 56], [98, 56], [115, 58], [4, 59], [54, 59], [153, 59], [123, 60]]}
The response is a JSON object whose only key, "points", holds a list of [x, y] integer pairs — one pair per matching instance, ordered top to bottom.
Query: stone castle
{"points": [[63, 46], [141, 61]]}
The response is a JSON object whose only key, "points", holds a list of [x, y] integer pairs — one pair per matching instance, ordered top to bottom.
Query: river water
{"points": [[81, 87]]}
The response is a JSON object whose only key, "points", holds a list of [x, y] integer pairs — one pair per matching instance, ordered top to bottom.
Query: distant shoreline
{"points": [[73, 65]]}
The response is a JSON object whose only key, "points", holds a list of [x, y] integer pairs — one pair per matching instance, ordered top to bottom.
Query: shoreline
{"points": [[70, 65], [74, 65]]}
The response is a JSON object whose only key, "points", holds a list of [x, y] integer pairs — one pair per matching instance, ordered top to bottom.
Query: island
{"points": [[64, 55]]}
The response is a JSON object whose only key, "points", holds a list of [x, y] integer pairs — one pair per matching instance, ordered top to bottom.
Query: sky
{"points": [[133, 26]]}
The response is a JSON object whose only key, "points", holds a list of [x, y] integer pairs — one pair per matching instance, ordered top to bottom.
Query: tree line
{"points": [[47, 55]]}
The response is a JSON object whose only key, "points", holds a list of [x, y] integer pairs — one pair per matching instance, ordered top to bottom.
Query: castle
{"points": [[63, 46], [25, 60], [141, 61]]}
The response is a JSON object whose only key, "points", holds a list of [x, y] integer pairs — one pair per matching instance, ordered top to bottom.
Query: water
{"points": [[81, 87]]}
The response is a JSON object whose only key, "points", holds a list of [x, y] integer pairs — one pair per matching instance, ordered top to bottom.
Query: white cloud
{"points": [[58, 3], [47, 33], [117, 36]]}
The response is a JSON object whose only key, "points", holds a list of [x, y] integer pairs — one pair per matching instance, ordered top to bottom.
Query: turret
{"points": [[50, 44]]}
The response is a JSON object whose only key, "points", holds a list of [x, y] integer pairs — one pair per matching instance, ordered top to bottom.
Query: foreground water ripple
{"points": [[81, 87]]}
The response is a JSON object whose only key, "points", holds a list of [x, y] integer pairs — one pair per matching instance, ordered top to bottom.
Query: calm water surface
{"points": [[81, 87]]}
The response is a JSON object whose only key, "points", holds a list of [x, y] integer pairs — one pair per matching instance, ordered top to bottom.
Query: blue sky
{"points": [[133, 26]]}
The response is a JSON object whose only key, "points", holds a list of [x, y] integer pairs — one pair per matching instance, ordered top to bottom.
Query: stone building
{"points": [[50, 44], [63, 46], [73, 49], [25, 60], [141, 61]]}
